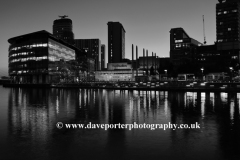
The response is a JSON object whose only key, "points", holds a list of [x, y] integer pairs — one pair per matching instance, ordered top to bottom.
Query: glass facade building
{"points": [[39, 57]]}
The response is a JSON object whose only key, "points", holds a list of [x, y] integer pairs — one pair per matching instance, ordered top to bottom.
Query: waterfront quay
{"points": [[158, 86]]}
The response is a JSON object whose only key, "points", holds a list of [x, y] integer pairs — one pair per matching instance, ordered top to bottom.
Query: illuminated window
{"points": [[234, 10], [225, 12], [219, 13], [221, 23], [229, 29], [178, 41], [44, 44], [178, 45]]}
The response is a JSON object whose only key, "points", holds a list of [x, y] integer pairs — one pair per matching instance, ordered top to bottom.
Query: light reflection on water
{"points": [[31, 116]]}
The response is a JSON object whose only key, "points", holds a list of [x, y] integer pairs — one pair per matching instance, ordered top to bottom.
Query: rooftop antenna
{"points": [[63, 16], [204, 31]]}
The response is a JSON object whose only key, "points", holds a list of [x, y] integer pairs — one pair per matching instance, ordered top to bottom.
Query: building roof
{"points": [[110, 22], [42, 32], [12, 40]]}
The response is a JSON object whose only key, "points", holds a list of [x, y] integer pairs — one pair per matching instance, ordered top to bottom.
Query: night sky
{"points": [[147, 22]]}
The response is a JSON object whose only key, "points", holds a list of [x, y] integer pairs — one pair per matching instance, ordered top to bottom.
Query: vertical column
{"points": [[143, 59], [132, 61], [136, 61], [147, 62], [152, 62], [156, 64]]}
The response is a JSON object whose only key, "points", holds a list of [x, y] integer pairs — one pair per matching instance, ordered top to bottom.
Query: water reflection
{"points": [[33, 113]]}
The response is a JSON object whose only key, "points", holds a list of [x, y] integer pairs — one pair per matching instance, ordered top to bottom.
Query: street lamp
{"points": [[231, 68], [165, 72], [202, 72]]}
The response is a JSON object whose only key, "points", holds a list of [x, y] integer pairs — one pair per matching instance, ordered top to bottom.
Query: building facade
{"points": [[227, 21], [63, 29], [228, 30], [116, 42], [92, 47], [181, 47], [103, 56], [39, 57]]}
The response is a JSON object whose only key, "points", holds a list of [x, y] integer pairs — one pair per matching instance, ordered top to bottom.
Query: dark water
{"points": [[28, 120]]}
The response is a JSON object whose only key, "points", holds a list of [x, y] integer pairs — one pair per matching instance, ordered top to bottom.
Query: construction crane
{"points": [[204, 31]]}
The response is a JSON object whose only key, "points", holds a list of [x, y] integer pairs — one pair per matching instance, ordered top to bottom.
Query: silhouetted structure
{"points": [[228, 25], [62, 29], [228, 30], [116, 42], [181, 47], [92, 48], [103, 56]]}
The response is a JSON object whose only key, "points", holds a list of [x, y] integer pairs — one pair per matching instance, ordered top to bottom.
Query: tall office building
{"points": [[228, 24], [62, 29], [228, 29], [116, 42], [181, 46], [92, 48], [103, 56]]}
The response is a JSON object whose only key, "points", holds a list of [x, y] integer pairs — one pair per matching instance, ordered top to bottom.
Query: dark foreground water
{"points": [[28, 120]]}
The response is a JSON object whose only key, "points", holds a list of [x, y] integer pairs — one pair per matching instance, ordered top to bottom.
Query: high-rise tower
{"points": [[228, 20], [62, 29], [228, 30], [116, 42], [92, 48], [103, 59]]}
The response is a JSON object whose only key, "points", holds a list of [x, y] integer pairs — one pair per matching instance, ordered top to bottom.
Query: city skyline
{"points": [[147, 24]]}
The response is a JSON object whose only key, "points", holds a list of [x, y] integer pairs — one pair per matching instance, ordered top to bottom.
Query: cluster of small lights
{"points": [[226, 12], [178, 41], [182, 45], [30, 46], [22, 53], [28, 59], [24, 71]]}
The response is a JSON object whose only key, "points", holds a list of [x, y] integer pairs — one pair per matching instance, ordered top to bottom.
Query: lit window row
{"points": [[226, 12], [178, 41], [181, 45], [30, 46], [22, 53], [28, 59], [23, 71]]}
